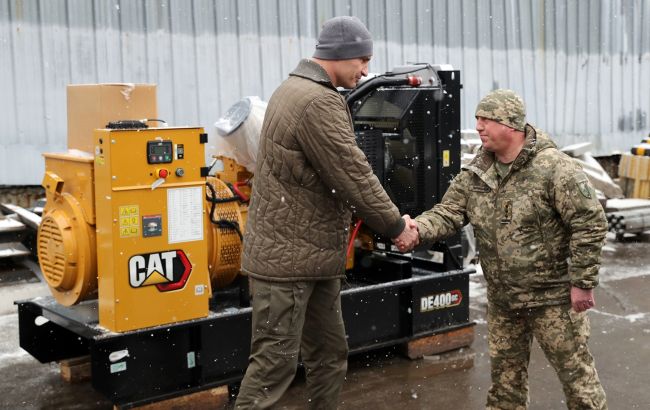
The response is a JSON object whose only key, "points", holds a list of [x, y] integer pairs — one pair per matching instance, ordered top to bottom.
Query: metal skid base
{"points": [[391, 301]]}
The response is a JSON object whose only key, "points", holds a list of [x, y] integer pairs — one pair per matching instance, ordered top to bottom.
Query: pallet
{"points": [[635, 188], [439, 343], [76, 369], [214, 399]]}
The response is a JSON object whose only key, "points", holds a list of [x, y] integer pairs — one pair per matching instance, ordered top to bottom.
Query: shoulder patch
{"points": [[583, 187]]}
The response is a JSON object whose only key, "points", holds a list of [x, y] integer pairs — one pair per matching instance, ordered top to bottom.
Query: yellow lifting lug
{"points": [[52, 183]]}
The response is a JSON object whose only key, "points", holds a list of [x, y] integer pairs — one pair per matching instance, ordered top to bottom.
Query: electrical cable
{"points": [[154, 120], [235, 187], [222, 223], [353, 236]]}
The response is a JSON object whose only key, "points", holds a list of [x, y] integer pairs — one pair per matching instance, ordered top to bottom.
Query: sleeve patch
{"points": [[583, 187]]}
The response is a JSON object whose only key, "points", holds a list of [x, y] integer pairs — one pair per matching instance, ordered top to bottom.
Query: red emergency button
{"points": [[163, 173]]}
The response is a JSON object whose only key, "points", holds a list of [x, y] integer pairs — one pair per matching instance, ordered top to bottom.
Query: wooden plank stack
{"points": [[634, 173], [439, 343]]}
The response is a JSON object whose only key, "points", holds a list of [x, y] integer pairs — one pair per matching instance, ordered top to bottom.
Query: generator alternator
{"points": [[224, 234], [66, 251]]}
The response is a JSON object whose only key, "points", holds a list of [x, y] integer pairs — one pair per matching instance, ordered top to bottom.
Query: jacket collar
{"points": [[312, 71], [535, 141]]}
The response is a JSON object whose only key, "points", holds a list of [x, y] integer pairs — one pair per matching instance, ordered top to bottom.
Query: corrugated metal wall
{"points": [[583, 67]]}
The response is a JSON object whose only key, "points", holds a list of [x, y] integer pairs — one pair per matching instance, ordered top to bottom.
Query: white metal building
{"points": [[583, 67]]}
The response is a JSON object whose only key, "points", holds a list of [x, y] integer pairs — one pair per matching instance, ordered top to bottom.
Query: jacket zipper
{"points": [[541, 232], [496, 234]]}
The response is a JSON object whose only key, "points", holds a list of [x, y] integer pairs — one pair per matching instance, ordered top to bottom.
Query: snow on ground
{"points": [[614, 273], [477, 289], [632, 318], [10, 352]]}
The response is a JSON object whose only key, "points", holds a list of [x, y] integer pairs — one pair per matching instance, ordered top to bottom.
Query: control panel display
{"points": [[159, 152]]}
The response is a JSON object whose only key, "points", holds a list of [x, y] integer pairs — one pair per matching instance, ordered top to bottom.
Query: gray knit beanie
{"points": [[343, 38]]}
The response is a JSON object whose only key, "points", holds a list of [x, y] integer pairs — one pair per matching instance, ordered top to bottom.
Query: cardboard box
{"points": [[92, 106]]}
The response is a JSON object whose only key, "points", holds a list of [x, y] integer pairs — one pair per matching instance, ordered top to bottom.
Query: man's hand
{"points": [[409, 238], [582, 299]]}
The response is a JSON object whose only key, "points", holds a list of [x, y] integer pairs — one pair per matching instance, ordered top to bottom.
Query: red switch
{"points": [[163, 173]]}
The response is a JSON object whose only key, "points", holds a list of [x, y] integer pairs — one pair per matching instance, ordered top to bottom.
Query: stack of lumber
{"points": [[634, 173]]}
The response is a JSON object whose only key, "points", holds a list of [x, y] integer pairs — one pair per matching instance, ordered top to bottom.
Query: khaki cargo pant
{"points": [[292, 318], [562, 334]]}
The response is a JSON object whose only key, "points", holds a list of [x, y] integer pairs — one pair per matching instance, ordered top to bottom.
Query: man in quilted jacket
{"points": [[310, 178], [539, 230]]}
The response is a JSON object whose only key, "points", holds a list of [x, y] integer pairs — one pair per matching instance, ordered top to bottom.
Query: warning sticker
{"points": [[185, 214], [129, 220]]}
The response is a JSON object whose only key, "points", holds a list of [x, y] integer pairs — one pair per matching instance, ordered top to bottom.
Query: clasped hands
{"points": [[409, 238]]}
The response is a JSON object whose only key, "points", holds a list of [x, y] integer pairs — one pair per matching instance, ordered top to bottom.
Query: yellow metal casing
{"points": [[66, 235], [225, 245], [151, 248]]}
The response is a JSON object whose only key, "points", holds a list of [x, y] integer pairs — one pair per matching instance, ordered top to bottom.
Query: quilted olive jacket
{"points": [[309, 179]]}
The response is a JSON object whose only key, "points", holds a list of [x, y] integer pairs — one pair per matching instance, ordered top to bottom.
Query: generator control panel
{"points": [[159, 152]]}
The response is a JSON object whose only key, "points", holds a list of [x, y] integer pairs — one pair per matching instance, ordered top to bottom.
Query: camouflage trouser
{"points": [[291, 318], [562, 334]]}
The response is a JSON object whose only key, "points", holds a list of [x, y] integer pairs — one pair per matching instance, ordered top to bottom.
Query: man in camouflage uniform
{"points": [[539, 230]]}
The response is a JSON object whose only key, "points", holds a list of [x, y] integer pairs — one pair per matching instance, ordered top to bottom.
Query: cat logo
{"points": [[166, 270]]}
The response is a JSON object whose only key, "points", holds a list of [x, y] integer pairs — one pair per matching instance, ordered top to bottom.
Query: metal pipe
{"points": [[368, 86], [631, 213]]}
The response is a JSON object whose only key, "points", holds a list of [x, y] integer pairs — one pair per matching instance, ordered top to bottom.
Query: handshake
{"points": [[409, 238]]}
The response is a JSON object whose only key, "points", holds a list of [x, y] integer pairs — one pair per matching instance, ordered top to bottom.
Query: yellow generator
{"points": [[132, 217], [150, 240]]}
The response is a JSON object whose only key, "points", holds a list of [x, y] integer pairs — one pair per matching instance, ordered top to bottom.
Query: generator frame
{"points": [[130, 368]]}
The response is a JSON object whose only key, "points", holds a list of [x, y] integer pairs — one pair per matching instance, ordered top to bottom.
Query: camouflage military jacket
{"points": [[538, 231]]}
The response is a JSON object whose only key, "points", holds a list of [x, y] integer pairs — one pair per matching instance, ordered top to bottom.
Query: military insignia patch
{"points": [[583, 187], [479, 188]]}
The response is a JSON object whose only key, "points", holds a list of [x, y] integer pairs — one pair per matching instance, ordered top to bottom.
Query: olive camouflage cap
{"points": [[505, 107]]}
